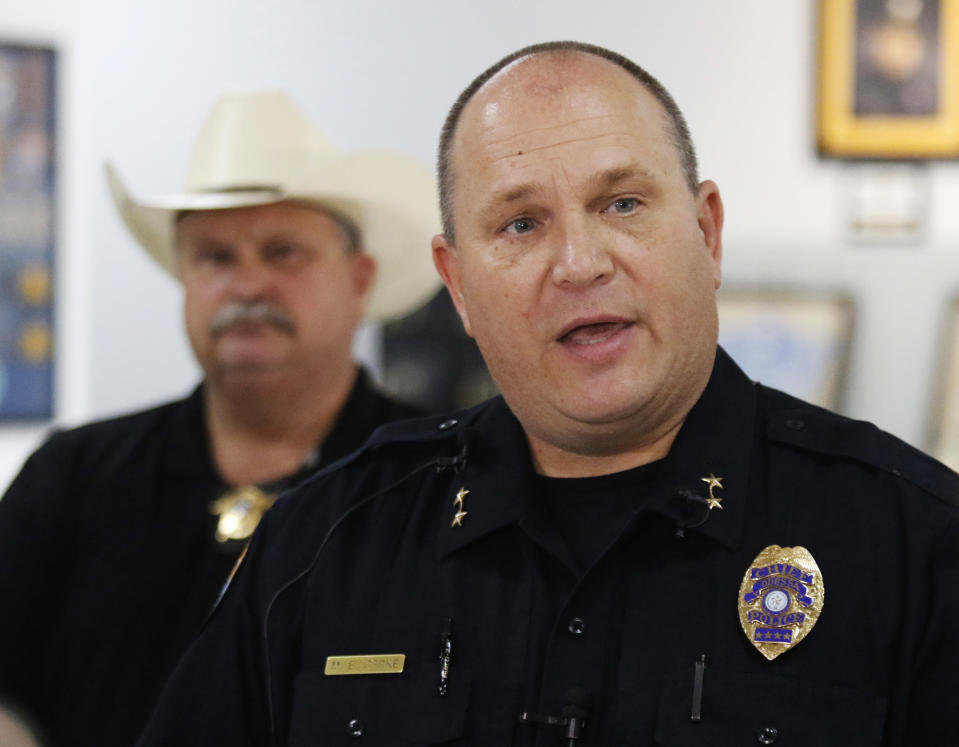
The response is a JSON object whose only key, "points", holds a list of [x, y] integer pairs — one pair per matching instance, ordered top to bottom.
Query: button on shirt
{"points": [[367, 559]]}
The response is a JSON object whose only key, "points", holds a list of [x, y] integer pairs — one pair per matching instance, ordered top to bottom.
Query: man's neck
{"points": [[264, 428], [556, 461]]}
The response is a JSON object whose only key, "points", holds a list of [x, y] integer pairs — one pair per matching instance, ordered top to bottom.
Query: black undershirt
{"points": [[590, 513]]}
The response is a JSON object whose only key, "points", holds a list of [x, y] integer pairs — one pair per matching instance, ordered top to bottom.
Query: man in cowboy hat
{"points": [[117, 537]]}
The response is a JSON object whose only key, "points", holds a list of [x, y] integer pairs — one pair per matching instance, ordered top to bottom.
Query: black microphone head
{"points": [[467, 440], [693, 509], [578, 702]]}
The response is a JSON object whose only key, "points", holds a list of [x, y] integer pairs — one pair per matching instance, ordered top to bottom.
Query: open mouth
{"points": [[593, 334]]}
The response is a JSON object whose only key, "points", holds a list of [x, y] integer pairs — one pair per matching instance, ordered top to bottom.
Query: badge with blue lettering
{"points": [[780, 599]]}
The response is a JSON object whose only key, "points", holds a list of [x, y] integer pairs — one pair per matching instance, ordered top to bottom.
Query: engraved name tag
{"points": [[365, 664]]}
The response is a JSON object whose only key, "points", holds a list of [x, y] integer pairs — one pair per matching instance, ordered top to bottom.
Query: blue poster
{"points": [[27, 240]]}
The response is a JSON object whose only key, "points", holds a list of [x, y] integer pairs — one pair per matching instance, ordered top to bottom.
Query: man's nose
{"points": [[581, 256], [251, 279]]}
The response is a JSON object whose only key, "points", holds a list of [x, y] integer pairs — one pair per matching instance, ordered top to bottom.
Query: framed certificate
{"points": [[888, 79]]}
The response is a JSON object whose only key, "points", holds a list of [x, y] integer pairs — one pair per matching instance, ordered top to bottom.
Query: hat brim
{"points": [[390, 198]]}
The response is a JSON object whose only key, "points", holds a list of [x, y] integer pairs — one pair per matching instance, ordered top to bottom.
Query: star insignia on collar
{"points": [[713, 482], [458, 505]]}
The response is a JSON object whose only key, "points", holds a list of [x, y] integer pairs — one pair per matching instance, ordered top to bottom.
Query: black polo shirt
{"points": [[109, 565]]}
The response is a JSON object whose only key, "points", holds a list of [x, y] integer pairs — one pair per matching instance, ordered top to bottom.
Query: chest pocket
{"points": [[743, 709], [394, 710]]}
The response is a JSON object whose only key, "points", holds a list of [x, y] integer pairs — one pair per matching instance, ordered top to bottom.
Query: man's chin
{"points": [[241, 352], [247, 369]]}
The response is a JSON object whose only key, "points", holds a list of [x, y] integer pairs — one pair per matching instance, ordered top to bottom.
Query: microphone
{"points": [[466, 441], [693, 510], [575, 712]]}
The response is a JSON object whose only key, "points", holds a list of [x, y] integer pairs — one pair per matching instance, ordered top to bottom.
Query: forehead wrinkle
{"points": [[492, 126], [512, 146]]}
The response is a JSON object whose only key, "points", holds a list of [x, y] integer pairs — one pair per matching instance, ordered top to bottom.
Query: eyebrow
{"points": [[617, 174], [512, 194], [504, 197], [205, 242]]}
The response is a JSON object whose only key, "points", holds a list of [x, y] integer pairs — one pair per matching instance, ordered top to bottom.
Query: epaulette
{"points": [[811, 428], [426, 429], [431, 429]]}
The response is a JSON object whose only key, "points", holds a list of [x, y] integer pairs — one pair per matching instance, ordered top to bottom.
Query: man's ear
{"points": [[709, 213], [447, 261], [177, 265], [364, 274]]}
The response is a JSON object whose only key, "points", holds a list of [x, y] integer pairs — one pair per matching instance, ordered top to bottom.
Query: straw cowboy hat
{"points": [[258, 149]]}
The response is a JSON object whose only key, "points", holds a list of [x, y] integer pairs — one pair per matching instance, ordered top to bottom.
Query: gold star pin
{"points": [[713, 482], [458, 505]]}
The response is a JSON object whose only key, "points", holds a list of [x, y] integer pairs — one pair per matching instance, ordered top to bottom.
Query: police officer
{"points": [[635, 544]]}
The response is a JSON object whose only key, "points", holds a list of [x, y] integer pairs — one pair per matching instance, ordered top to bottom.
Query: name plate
{"points": [[365, 664]]}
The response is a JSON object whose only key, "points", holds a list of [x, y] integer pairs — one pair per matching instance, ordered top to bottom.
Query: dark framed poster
{"points": [[888, 79], [27, 230]]}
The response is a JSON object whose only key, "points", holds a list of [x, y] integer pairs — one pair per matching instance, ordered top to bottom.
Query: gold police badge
{"points": [[239, 512], [780, 599]]}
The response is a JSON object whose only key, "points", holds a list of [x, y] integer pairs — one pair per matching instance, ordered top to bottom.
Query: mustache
{"points": [[237, 312]]}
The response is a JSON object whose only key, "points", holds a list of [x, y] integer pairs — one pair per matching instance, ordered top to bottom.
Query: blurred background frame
{"points": [[27, 230], [792, 339], [943, 440]]}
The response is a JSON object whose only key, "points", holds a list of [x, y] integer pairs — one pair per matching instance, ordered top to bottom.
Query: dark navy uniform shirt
{"points": [[641, 644]]}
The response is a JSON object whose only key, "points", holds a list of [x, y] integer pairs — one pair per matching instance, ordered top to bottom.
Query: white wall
{"points": [[376, 73]]}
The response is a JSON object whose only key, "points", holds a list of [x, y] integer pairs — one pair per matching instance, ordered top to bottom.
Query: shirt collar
{"points": [[356, 420], [714, 441], [188, 451], [498, 475]]}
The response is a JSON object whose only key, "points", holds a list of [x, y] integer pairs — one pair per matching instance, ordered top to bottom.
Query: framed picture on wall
{"points": [[888, 79], [27, 220], [792, 340], [943, 439]]}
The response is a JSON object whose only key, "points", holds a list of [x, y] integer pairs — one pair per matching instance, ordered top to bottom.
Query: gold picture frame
{"points": [[888, 79]]}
